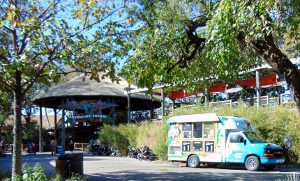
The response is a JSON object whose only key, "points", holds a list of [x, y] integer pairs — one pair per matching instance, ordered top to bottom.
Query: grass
{"points": [[272, 123]]}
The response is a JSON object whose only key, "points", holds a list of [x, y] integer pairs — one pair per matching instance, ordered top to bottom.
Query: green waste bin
{"points": [[69, 164]]}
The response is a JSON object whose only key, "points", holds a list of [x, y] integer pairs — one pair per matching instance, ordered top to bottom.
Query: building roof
{"points": [[83, 86]]}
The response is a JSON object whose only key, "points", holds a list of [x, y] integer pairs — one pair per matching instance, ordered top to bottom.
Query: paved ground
{"points": [[113, 168]]}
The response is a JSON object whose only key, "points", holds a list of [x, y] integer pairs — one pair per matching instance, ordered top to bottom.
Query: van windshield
{"points": [[254, 138]]}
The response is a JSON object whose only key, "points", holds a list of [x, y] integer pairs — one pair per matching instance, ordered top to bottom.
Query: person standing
{"points": [[53, 144], [71, 145], [1, 146], [34, 146], [29, 147]]}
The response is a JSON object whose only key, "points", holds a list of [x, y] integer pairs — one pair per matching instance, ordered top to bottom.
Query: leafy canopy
{"points": [[41, 38], [207, 38]]}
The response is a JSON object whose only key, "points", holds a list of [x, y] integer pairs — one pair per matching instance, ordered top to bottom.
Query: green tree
{"points": [[38, 39], [194, 43], [5, 110]]}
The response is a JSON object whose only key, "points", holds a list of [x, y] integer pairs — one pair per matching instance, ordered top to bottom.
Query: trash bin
{"points": [[69, 164]]}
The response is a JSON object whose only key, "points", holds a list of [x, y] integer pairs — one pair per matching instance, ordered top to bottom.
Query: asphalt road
{"points": [[123, 168]]}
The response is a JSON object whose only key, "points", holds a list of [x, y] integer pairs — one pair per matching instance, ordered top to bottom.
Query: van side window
{"points": [[187, 130], [208, 130], [197, 133], [236, 138], [197, 145], [186, 146], [209, 146]]}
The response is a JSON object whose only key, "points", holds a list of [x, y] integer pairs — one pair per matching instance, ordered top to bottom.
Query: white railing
{"points": [[286, 98], [264, 101], [219, 103], [81, 146], [9, 147]]}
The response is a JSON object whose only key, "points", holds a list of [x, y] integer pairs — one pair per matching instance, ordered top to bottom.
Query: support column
{"points": [[257, 72], [206, 97], [163, 102], [128, 105], [151, 107], [114, 112], [55, 124], [63, 129], [41, 131]]}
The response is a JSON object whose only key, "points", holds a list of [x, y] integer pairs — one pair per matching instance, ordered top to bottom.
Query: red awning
{"points": [[264, 80], [220, 87], [177, 94]]}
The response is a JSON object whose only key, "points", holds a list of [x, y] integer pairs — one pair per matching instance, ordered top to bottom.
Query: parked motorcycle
{"points": [[100, 149], [103, 150], [115, 152], [132, 152], [145, 153]]}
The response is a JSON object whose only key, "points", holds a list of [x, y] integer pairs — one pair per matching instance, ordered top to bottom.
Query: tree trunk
{"points": [[269, 52], [17, 130]]}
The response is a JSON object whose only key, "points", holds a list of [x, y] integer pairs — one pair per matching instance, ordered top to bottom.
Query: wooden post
{"points": [[163, 102], [128, 105], [114, 111], [55, 124], [63, 129], [41, 131]]}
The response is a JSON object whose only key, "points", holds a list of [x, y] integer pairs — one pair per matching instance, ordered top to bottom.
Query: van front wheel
{"points": [[193, 161], [252, 163]]}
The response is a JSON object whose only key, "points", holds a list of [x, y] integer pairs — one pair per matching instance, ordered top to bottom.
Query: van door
{"points": [[235, 148]]}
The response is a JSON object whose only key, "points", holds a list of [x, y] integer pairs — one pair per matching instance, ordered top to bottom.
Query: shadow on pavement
{"points": [[46, 160], [129, 175]]}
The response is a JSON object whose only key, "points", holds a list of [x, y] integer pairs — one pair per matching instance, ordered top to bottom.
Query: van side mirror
{"points": [[245, 141]]}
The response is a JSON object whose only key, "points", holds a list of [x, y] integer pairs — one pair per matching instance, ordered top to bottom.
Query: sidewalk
{"points": [[46, 160], [96, 166]]}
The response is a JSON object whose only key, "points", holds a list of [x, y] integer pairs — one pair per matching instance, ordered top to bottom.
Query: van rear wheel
{"points": [[193, 161], [252, 163]]}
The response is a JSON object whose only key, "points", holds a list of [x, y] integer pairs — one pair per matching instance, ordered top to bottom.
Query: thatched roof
{"points": [[84, 88]]}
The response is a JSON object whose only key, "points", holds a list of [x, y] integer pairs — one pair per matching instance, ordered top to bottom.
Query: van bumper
{"points": [[270, 160]]}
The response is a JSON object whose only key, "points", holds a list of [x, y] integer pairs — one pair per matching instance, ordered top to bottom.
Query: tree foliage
{"points": [[39, 39], [211, 40], [5, 107]]}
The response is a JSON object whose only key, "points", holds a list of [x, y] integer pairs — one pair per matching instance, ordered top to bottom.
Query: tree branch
{"points": [[195, 44], [4, 58], [27, 86]]}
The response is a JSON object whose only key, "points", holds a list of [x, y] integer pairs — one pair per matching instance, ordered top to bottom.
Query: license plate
{"points": [[280, 161]]}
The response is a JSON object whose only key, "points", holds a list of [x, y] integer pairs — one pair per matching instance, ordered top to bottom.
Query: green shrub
{"points": [[272, 123], [130, 131], [112, 136], [161, 146], [37, 173], [4, 175]]}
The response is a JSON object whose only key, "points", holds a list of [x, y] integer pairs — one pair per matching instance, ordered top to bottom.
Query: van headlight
{"points": [[268, 153]]}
